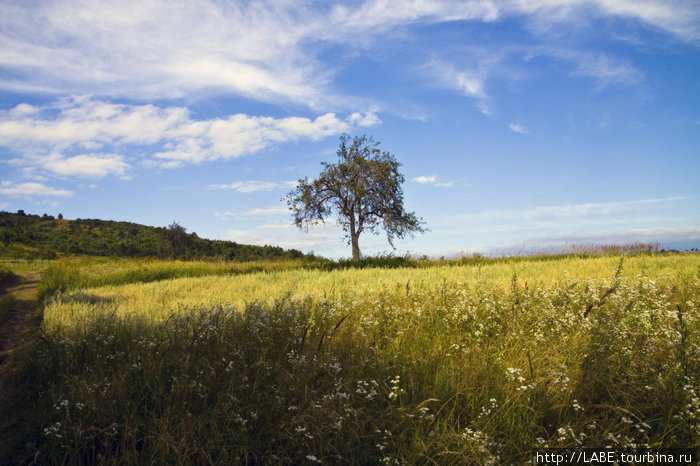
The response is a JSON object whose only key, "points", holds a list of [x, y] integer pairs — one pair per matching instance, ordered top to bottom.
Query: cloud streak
{"points": [[264, 50], [517, 128], [432, 179], [253, 186], [31, 189], [566, 211], [260, 212]]}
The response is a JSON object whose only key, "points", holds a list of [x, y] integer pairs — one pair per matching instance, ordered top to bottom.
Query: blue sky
{"points": [[518, 124]]}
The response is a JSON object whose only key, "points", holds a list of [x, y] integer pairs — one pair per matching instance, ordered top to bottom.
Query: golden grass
{"points": [[158, 300]]}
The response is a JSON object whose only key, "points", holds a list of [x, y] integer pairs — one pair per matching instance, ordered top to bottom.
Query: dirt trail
{"points": [[23, 318]]}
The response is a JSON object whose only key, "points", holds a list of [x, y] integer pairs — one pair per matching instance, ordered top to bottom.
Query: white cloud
{"points": [[385, 14], [676, 17], [161, 49], [265, 50], [485, 63], [603, 68], [607, 69], [469, 82], [89, 123], [518, 128], [52, 132], [242, 134], [92, 165], [425, 179], [434, 180], [249, 187], [31, 189], [270, 211], [565, 211], [583, 217], [278, 226], [666, 234], [244, 237], [323, 237]]}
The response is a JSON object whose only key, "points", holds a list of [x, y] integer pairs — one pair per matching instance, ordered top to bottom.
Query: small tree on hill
{"points": [[363, 189], [177, 236]]}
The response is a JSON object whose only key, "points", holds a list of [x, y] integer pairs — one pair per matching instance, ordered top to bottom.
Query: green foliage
{"points": [[363, 190], [36, 237], [178, 239], [381, 262]]}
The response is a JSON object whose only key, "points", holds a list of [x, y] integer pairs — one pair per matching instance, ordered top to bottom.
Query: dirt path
{"points": [[23, 319]]}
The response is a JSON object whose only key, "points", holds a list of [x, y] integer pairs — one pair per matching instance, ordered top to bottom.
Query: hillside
{"points": [[33, 236]]}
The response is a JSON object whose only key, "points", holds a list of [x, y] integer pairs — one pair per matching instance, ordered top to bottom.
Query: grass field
{"points": [[478, 363]]}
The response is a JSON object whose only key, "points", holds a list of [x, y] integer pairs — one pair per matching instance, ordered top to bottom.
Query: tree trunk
{"points": [[355, 246]]}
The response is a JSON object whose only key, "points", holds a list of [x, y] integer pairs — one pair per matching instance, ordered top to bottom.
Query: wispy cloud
{"points": [[677, 17], [161, 49], [265, 50], [600, 66], [468, 82], [518, 128], [56, 135], [434, 180], [252, 186], [31, 189], [566, 211], [263, 212], [278, 226], [658, 234], [323, 237], [317, 240]]}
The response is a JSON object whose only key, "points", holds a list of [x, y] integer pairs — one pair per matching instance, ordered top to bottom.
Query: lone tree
{"points": [[363, 189], [176, 235]]}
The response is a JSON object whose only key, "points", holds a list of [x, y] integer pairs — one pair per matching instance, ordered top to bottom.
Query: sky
{"points": [[519, 124]]}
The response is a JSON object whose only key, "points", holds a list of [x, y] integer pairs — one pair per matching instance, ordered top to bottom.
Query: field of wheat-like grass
{"points": [[159, 299], [445, 365]]}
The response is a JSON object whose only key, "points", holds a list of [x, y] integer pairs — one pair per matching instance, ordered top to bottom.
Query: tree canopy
{"points": [[363, 190]]}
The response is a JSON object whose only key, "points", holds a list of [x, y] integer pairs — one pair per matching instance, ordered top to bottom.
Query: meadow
{"points": [[480, 362]]}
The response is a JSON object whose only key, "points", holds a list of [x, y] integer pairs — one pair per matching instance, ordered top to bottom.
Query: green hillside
{"points": [[33, 236]]}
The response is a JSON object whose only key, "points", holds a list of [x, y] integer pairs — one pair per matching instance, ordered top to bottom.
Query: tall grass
{"points": [[72, 273], [157, 300], [447, 365]]}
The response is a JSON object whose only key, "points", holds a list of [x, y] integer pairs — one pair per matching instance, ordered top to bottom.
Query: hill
{"points": [[33, 236]]}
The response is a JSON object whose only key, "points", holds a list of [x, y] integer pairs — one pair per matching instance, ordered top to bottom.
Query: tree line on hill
{"points": [[26, 235]]}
